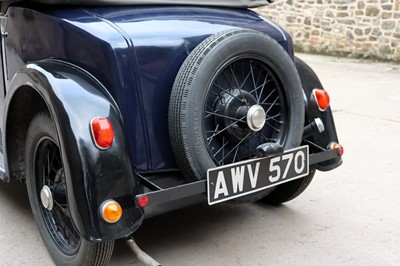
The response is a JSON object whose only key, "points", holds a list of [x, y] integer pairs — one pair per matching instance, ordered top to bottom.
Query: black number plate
{"points": [[243, 178]]}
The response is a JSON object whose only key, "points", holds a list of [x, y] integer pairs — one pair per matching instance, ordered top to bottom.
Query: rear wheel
{"points": [[238, 89], [290, 190], [47, 192]]}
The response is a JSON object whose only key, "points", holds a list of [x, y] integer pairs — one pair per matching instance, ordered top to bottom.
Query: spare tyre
{"points": [[238, 89]]}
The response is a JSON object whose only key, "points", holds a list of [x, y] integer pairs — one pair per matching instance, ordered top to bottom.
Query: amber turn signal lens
{"points": [[321, 99], [102, 132], [336, 146], [111, 211]]}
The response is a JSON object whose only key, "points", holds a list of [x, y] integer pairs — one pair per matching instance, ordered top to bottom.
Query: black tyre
{"points": [[236, 90], [47, 187], [290, 190]]}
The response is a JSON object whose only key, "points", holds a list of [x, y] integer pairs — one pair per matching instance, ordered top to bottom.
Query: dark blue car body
{"points": [[135, 52], [118, 62]]}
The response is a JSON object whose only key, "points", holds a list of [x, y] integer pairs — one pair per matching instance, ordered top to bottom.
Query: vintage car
{"points": [[118, 110]]}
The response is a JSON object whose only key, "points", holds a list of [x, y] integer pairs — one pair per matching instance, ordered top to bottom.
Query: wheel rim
{"points": [[244, 92], [49, 172]]}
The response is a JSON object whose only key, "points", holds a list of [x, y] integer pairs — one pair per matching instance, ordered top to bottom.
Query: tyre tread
{"points": [[178, 101], [289, 191]]}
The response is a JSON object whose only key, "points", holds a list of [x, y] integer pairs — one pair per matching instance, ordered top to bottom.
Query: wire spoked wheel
{"points": [[238, 89], [245, 107], [49, 172], [48, 190]]}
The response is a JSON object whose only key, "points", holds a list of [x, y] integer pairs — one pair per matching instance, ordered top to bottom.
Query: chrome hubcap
{"points": [[256, 118], [47, 198]]}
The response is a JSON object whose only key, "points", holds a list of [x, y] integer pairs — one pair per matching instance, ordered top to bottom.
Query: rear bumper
{"points": [[172, 198]]}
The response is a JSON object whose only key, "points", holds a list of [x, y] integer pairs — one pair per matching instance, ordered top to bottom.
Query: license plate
{"points": [[243, 178]]}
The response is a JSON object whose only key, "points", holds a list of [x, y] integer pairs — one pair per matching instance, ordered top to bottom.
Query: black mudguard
{"points": [[310, 81], [73, 98]]}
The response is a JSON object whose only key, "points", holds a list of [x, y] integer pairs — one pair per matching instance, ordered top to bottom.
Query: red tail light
{"points": [[321, 99], [102, 132], [334, 146], [142, 201]]}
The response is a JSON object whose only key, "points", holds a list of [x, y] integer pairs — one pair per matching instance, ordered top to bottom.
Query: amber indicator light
{"points": [[111, 211]]}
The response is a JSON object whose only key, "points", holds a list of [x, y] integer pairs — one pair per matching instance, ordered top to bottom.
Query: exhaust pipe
{"points": [[140, 254]]}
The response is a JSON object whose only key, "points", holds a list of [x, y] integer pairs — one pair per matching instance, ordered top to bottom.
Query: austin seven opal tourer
{"points": [[113, 111]]}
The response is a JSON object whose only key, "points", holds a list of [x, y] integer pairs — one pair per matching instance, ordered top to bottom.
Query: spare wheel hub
{"points": [[256, 117]]}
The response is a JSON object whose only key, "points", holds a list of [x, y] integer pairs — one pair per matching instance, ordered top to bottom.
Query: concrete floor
{"points": [[349, 216]]}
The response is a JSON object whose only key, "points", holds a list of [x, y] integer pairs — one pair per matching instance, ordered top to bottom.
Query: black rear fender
{"points": [[310, 81], [73, 98]]}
